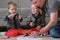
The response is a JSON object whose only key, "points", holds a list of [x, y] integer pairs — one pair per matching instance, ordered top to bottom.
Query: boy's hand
{"points": [[11, 16], [20, 17], [31, 24], [38, 28]]}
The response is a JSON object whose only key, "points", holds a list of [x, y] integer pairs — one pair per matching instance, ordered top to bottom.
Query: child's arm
{"points": [[11, 16], [8, 17], [5, 18], [20, 18], [29, 20], [43, 21]]}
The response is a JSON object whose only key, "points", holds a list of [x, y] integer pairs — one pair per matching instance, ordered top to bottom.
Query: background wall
{"points": [[21, 3], [23, 7]]}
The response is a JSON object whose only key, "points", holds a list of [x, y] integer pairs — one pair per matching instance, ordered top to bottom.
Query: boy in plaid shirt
{"points": [[35, 21]]}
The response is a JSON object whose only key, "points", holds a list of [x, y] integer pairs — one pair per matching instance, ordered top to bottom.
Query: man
{"points": [[52, 7]]}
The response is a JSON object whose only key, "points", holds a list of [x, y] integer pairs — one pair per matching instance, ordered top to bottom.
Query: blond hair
{"points": [[11, 4]]}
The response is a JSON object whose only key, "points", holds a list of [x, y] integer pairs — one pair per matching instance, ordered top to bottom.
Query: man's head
{"points": [[38, 3], [12, 7], [34, 9]]}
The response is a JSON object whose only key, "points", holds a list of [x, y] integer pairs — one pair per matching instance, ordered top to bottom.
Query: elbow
{"points": [[4, 19], [54, 22]]}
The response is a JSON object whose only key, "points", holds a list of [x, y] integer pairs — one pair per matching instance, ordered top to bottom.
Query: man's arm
{"points": [[53, 10], [53, 20]]}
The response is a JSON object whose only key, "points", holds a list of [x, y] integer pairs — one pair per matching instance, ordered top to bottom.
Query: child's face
{"points": [[12, 9], [34, 10]]}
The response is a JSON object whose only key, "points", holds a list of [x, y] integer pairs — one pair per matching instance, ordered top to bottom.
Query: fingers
{"points": [[20, 17]]}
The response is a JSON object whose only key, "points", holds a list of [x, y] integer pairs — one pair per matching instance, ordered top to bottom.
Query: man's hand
{"points": [[43, 30], [34, 34]]}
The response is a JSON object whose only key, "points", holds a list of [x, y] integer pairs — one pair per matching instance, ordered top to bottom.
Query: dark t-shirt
{"points": [[53, 6]]}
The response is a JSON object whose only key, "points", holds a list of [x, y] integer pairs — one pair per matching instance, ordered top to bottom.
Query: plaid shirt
{"points": [[38, 20], [12, 23]]}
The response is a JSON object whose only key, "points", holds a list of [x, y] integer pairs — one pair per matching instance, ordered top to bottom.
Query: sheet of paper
{"points": [[28, 38]]}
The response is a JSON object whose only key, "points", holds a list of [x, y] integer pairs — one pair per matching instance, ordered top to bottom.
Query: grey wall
{"points": [[3, 3], [20, 3], [24, 3]]}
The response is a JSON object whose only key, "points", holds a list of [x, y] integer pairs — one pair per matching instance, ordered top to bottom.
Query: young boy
{"points": [[13, 20], [35, 20]]}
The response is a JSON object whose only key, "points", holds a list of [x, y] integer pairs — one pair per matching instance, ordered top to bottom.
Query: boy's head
{"points": [[12, 7], [34, 9]]}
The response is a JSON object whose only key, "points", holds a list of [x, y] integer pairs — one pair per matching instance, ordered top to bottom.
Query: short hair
{"points": [[30, 0], [11, 3]]}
